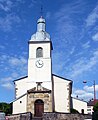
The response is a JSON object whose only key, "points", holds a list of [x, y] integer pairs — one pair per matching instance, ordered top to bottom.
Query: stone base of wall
{"points": [[22, 116], [50, 116], [65, 116]]}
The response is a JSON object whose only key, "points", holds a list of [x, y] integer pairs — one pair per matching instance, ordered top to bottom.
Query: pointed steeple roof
{"points": [[41, 34]]}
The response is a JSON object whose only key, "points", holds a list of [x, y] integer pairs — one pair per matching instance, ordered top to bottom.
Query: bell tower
{"points": [[39, 61]]}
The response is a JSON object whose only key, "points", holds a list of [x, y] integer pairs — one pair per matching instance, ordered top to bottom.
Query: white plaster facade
{"points": [[22, 85], [62, 92], [19, 105], [79, 105], [90, 110]]}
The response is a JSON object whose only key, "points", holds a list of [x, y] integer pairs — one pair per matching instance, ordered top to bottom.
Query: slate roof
{"points": [[52, 75], [61, 77], [20, 78], [79, 99], [91, 102]]}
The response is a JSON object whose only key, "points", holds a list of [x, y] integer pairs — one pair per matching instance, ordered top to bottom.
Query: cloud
{"points": [[32, 3], [6, 5], [48, 14], [93, 17], [6, 22], [69, 28], [69, 33], [65, 37], [95, 37], [86, 45], [2, 47], [72, 50], [4, 57], [13, 61], [17, 61], [56, 61], [20, 65], [82, 65], [15, 67], [12, 68], [14, 75], [8, 79], [6, 82], [7, 85], [91, 88], [79, 92], [86, 93], [82, 94], [86, 96]]}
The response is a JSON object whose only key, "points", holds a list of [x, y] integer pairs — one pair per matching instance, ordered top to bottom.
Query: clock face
{"points": [[39, 63]]}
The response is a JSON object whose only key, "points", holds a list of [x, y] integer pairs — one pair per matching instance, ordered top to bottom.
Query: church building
{"points": [[41, 91]]}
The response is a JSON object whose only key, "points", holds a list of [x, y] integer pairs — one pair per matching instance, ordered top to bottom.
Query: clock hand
{"points": [[40, 63]]}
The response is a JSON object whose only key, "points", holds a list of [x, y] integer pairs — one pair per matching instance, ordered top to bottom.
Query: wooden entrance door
{"points": [[39, 108]]}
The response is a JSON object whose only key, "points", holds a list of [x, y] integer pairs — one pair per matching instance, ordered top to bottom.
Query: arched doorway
{"points": [[38, 108]]}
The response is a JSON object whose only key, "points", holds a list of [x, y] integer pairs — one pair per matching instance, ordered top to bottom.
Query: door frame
{"points": [[38, 108]]}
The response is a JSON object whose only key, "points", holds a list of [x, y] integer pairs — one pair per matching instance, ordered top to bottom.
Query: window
{"points": [[39, 52], [88, 109]]}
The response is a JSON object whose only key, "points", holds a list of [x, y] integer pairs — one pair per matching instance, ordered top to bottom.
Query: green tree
{"points": [[6, 108], [95, 108]]}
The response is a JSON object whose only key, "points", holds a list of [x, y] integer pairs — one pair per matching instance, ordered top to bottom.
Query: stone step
{"points": [[37, 118]]}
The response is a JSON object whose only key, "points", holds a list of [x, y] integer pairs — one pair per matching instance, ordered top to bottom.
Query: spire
{"points": [[41, 12], [41, 21]]}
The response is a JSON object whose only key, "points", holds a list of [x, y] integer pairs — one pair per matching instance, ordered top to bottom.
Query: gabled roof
{"points": [[52, 75], [62, 77], [20, 78], [18, 97], [79, 99], [92, 102]]}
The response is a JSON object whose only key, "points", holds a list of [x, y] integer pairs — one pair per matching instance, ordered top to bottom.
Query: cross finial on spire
{"points": [[41, 12]]}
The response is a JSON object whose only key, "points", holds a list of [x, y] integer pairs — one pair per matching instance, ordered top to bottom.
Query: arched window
{"points": [[39, 52]]}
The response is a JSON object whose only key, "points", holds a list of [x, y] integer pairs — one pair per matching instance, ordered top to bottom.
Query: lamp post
{"points": [[94, 90]]}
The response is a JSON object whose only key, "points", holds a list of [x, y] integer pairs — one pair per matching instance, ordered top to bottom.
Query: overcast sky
{"points": [[73, 27]]}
